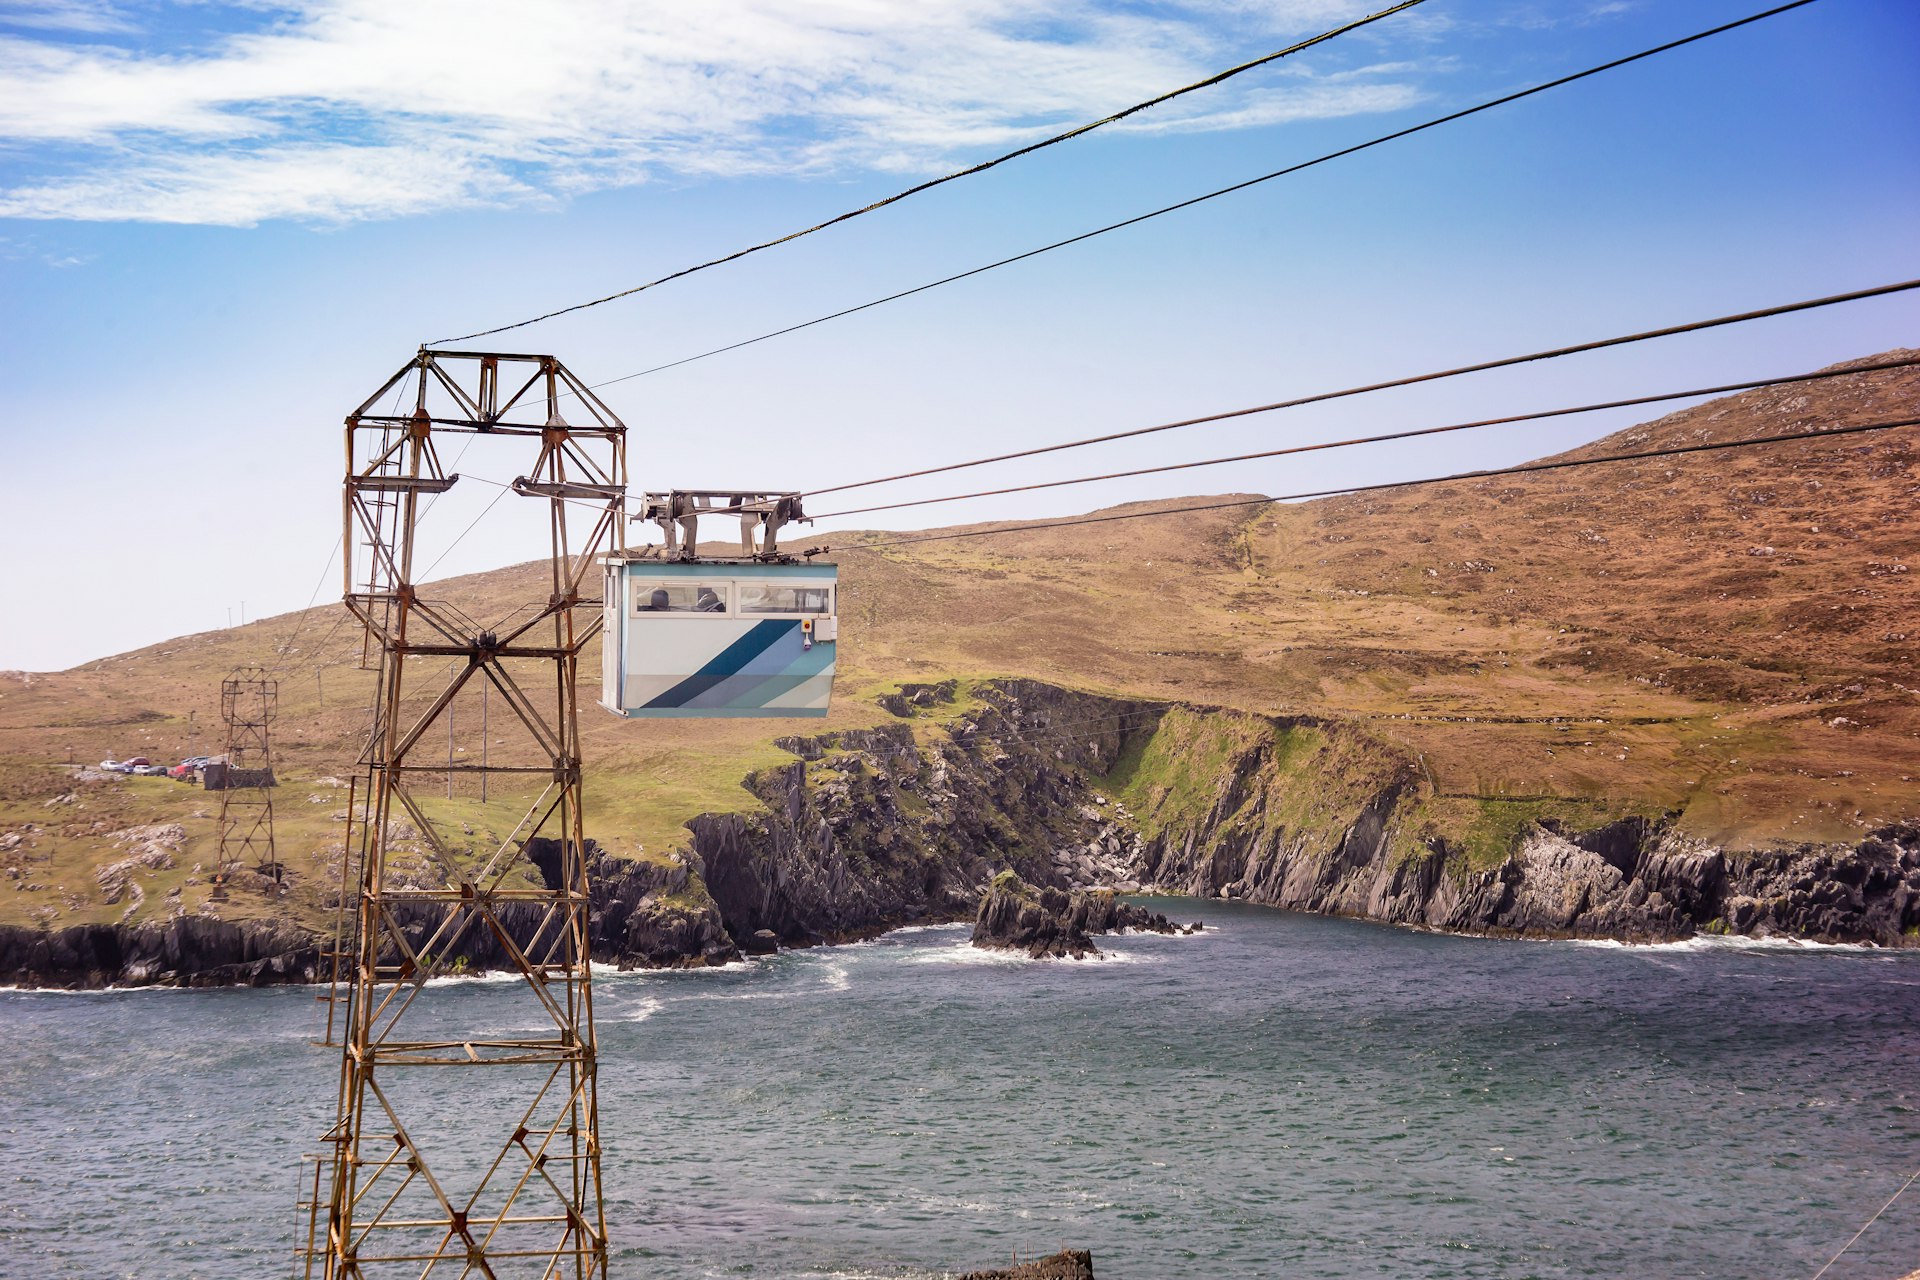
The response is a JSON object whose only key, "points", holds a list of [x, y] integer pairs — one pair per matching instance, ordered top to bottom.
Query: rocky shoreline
{"points": [[871, 829]]}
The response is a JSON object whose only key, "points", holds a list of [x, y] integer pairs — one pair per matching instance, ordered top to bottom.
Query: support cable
{"points": [[1395, 136], [982, 167], [1906, 362], [1871, 367], [1324, 396], [1421, 482], [448, 549], [300, 619], [1870, 1221]]}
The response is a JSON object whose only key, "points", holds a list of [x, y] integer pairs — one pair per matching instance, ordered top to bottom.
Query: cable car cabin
{"points": [[709, 638]]}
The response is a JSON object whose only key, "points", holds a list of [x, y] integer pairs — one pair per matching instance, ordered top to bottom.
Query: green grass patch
{"points": [[1292, 776], [638, 805], [1488, 829]]}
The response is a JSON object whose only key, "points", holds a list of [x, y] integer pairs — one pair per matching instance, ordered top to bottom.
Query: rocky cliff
{"points": [[1317, 816], [908, 822], [870, 829], [187, 951]]}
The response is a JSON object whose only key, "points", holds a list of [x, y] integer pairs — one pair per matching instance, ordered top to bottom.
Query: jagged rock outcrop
{"points": [[913, 696], [654, 915], [1052, 923], [1068, 1264]]}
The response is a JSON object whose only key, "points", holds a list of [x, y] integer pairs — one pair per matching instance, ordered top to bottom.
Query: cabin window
{"points": [[680, 596], [767, 597]]}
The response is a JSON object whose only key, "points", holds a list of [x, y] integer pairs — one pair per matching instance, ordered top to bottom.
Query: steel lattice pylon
{"points": [[248, 703], [510, 1184]]}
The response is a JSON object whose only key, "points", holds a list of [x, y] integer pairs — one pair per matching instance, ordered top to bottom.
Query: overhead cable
{"points": [[1396, 135], [982, 167], [1874, 367], [1321, 397], [1492, 473], [471, 526], [284, 650], [1869, 1222]]}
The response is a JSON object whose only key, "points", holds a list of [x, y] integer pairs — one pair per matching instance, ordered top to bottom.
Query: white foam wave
{"points": [[908, 930], [1179, 935], [1723, 942], [967, 953], [1113, 955], [613, 975], [492, 977], [85, 991], [642, 1009]]}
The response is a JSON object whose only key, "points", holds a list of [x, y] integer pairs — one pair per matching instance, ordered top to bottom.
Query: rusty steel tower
{"points": [[249, 701], [465, 1148]]}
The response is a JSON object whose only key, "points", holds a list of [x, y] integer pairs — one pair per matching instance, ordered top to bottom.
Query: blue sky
{"points": [[222, 226]]}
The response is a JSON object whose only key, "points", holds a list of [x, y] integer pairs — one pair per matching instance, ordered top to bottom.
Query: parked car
{"points": [[134, 762], [117, 766], [188, 767], [150, 770]]}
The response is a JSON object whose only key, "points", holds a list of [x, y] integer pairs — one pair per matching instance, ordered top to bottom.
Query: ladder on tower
{"points": [[383, 510], [341, 949]]}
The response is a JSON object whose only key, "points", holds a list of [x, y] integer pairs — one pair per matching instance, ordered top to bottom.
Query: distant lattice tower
{"points": [[249, 702]]}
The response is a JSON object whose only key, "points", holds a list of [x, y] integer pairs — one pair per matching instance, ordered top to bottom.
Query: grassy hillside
{"points": [[1731, 636]]}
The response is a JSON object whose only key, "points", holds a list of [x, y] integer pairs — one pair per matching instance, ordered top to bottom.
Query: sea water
{"points": [[1280, 1096]]}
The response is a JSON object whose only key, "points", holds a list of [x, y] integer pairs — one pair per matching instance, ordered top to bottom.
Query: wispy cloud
{"points": [[88, 16], [340, 110], [30, 249]]}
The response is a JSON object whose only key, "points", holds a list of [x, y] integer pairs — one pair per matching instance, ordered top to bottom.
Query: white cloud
{"points": [[88, 16], [350, 109], [327, 183]]}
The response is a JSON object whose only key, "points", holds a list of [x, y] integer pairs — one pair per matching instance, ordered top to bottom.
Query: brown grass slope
{"points": [[1730, 636]]}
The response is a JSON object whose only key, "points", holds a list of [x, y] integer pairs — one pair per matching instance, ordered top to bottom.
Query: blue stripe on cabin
{"points": [[728, 662], [763, 680], [746, 691]]}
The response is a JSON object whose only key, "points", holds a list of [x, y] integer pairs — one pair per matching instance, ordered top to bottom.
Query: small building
{"points": [[218, 775]]}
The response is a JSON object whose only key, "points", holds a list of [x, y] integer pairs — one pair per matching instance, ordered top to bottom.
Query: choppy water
{"points": [[1282, 1096]]}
